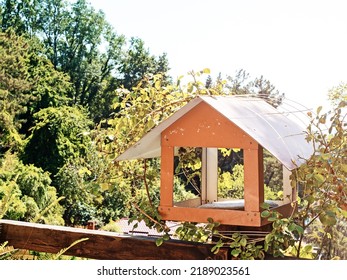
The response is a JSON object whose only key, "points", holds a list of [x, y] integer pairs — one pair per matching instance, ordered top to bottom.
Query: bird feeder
{"points": [[234, 122]]}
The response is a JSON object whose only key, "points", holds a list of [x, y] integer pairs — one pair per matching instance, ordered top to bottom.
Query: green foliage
{"points": [[19, 15], [80, 42], [138, 62], [28, 82], [13, 87], [338, 93], [59, 134], [60, 143], [188, 168], [273, 173], [75, 182], [231, 185], [322, 188], [180, 192], [26, 193], [115, 202], [112, 226], [197, 233], [240, 246], [6, 251], [9, 253]]}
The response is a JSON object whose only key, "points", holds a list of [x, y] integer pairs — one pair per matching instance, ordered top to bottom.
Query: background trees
{"points": [[81, 43], [61, 66], [28, 83], [26, 193]]}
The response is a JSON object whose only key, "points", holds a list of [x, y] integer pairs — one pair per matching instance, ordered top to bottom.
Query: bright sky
{"points": [[299, 45]]}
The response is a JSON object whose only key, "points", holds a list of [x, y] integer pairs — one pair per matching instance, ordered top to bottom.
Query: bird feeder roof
{"points": [[274, 130]]}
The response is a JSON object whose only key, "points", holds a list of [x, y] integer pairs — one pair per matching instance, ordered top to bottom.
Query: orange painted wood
{"points": [[203, 126], [166, 176], [254, 178], [200, 215]]}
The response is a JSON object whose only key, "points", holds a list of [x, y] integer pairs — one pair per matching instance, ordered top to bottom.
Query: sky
{"points": [[299, 45]]}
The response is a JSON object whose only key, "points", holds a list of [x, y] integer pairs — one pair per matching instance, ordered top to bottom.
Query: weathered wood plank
{"points": [[100, 244]]}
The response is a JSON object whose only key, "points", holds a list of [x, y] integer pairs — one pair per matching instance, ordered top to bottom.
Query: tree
{"points": [[20, 15], [80, 42], [79, 53], [137, 62], [28, 83], [241, 84], [59, 134], [61, 144], [26, 193]]}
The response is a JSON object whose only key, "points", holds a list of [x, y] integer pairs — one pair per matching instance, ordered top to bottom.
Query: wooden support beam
{"points": [[166, 175], [253, 178], [223, 216], [101, 245]]}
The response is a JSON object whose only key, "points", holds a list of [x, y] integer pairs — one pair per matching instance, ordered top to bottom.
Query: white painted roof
{"points": [[271, 128]]}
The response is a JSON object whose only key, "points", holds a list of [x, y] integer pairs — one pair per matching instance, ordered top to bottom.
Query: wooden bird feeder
{"points": [[212, 122]]}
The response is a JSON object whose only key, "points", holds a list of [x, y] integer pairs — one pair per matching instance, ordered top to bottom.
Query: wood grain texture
{"points": [[101, 245]]}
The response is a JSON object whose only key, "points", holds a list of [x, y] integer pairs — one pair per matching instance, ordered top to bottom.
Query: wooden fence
{"points": [[101, 245]]}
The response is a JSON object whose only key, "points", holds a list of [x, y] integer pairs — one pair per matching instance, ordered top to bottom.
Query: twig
{"points": [[149, 217]]}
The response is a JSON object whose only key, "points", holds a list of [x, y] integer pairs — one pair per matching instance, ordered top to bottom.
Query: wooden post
{"points": [[167, 176], [254, 178]]}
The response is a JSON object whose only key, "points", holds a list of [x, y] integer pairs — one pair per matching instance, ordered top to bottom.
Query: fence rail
{"points": [[101, 245]]}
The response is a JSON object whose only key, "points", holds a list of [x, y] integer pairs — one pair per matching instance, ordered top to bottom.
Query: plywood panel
{"points": [[203, 126], [167, 176], [254, 178], [225, 217]]}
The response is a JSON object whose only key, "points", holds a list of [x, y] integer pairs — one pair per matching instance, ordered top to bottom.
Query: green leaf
{"points": [[206, 71], [157, 85], [190, 88], [319, 178], [310, 199], [265, 206], [265, 214], [328, 218], [272, 219], [292, 227], [299, 229], [166, 237], [268, 237], [159, 241], [243, 242], [308, 248], [215, 249], [235, 252]]}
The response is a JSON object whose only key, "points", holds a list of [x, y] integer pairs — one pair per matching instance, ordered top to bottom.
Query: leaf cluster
{"points": [[322, 189]]}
